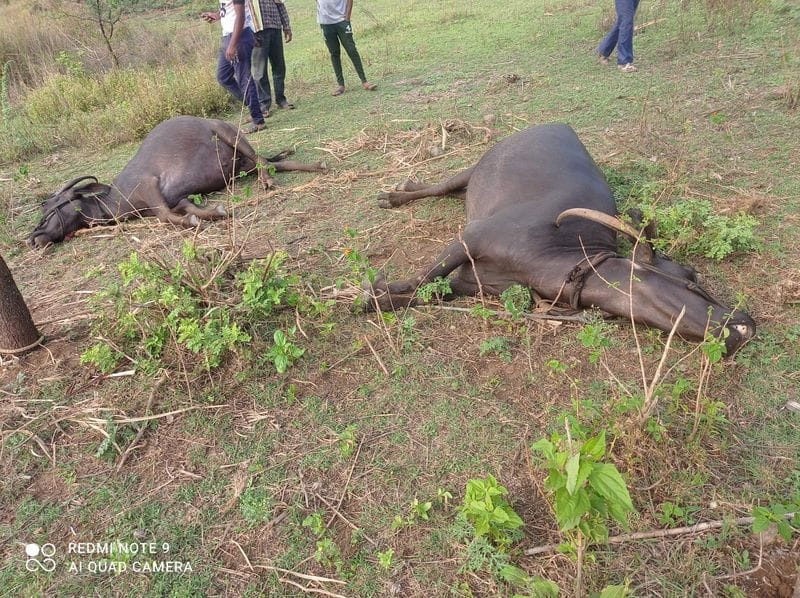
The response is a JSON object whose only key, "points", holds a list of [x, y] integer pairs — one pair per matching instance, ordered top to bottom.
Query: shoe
{"points": [[601, 58], [627, 68], [369, 86], [338, 91], [285, 105], [255, 128]]}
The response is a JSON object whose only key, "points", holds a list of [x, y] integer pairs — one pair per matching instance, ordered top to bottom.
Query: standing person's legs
{"points": [[626, 9], [345, 33], [332, 41], [277, 64], [258, 66], [226, 75], [245, 77]]}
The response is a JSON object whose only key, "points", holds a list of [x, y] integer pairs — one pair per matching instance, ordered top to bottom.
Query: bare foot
{"points": [[369, 86], [338, 91]]}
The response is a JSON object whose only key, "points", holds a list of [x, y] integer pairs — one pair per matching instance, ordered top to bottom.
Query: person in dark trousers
{"points": [[334, 18], [270, 19], [621, 37], [233, 65]]}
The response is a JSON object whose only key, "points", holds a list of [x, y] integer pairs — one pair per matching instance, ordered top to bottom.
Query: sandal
{"points": [[601, 58], [627, 68], [369, 86], [338, 91], [255, 128]]}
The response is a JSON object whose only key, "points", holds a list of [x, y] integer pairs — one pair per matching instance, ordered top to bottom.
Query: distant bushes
{"points": [[58, 87], [123, 105]]}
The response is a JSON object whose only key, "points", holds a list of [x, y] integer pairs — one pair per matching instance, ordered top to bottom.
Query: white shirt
{"points": [[331, 11], [227, 17]]}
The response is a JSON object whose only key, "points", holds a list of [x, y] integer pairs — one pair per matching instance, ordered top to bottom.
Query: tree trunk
{"points": [[17, 330]]}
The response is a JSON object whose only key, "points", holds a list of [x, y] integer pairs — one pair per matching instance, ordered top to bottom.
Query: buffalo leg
{"points": [[248, 159], [294, 166], [452, 186], [147, 200], [216, 212], [402, 293]]}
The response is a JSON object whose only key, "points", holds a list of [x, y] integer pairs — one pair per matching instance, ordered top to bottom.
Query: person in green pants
{"points": [[333, 17]]}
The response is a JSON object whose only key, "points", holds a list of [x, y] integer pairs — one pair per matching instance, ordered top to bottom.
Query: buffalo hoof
{"points": [[323, 166], [266, 181], [385, 200], [221, 211], [193, 221]]}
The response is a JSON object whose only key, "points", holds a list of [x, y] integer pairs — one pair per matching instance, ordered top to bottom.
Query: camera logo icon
{"points": [[40, 557]]}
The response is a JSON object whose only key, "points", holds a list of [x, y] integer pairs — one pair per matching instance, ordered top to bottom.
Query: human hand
{"points": [[209, 17], [287, 35], [231, 55]]}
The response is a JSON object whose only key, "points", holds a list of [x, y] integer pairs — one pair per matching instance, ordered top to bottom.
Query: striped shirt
{"points": [[270, 14]]}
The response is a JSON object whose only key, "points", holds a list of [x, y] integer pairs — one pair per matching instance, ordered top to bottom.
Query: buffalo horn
{"points": [[75, 181], [614, 223]]}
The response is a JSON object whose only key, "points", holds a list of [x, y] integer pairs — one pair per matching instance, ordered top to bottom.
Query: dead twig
{"points": [[377, 357], [133, 445], [660, 533], [306, 576], [310, 590]]}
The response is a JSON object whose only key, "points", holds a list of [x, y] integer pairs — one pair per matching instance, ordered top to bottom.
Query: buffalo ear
{"points": [[92, 189], [637, 217]]}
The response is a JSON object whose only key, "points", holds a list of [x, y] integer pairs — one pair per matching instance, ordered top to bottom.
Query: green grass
{"points": [[358, 437]]}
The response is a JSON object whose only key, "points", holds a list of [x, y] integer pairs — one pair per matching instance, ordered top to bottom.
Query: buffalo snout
{"points": [[741, 328]]}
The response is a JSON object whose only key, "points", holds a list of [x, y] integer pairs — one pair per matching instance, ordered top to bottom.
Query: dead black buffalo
{"points": [[181, 157], [540, 214]]}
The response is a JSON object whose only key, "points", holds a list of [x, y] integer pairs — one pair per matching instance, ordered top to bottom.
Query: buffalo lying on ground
{"points": [[181, 157], [540, 214]]}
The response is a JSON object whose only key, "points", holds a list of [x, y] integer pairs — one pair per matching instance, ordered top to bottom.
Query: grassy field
{"points": [[346, 473]]}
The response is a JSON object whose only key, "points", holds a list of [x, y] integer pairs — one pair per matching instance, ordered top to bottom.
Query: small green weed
{"points": [[437, 289], [517, 300], [498, 345], [283, 352], [586, 491], [255, 505], [489, 513], [671, 514], [785, 516], [385, 558]]}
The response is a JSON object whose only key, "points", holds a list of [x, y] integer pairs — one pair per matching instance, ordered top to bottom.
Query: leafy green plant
{"points": [[692, 227], [438, 288], [517, 300], [167, 315], [594, 337], [499, 345], [284, 353], [102, 356], [347, 440], [586, 490], [255, 504], [486, 509], [417, 511], [671, 514], [786, 517], [315, 523], [385, 558]]}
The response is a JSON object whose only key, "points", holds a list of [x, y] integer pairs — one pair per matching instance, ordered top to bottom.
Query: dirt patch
{"points": [[777, 578]]}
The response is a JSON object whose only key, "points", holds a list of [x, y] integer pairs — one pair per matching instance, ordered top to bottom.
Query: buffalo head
{"points": [[71, 208], [651, 288]]}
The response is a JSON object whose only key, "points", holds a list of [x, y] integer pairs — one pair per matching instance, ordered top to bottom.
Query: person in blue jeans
{"points": [[621, 36], [233, 65]]}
